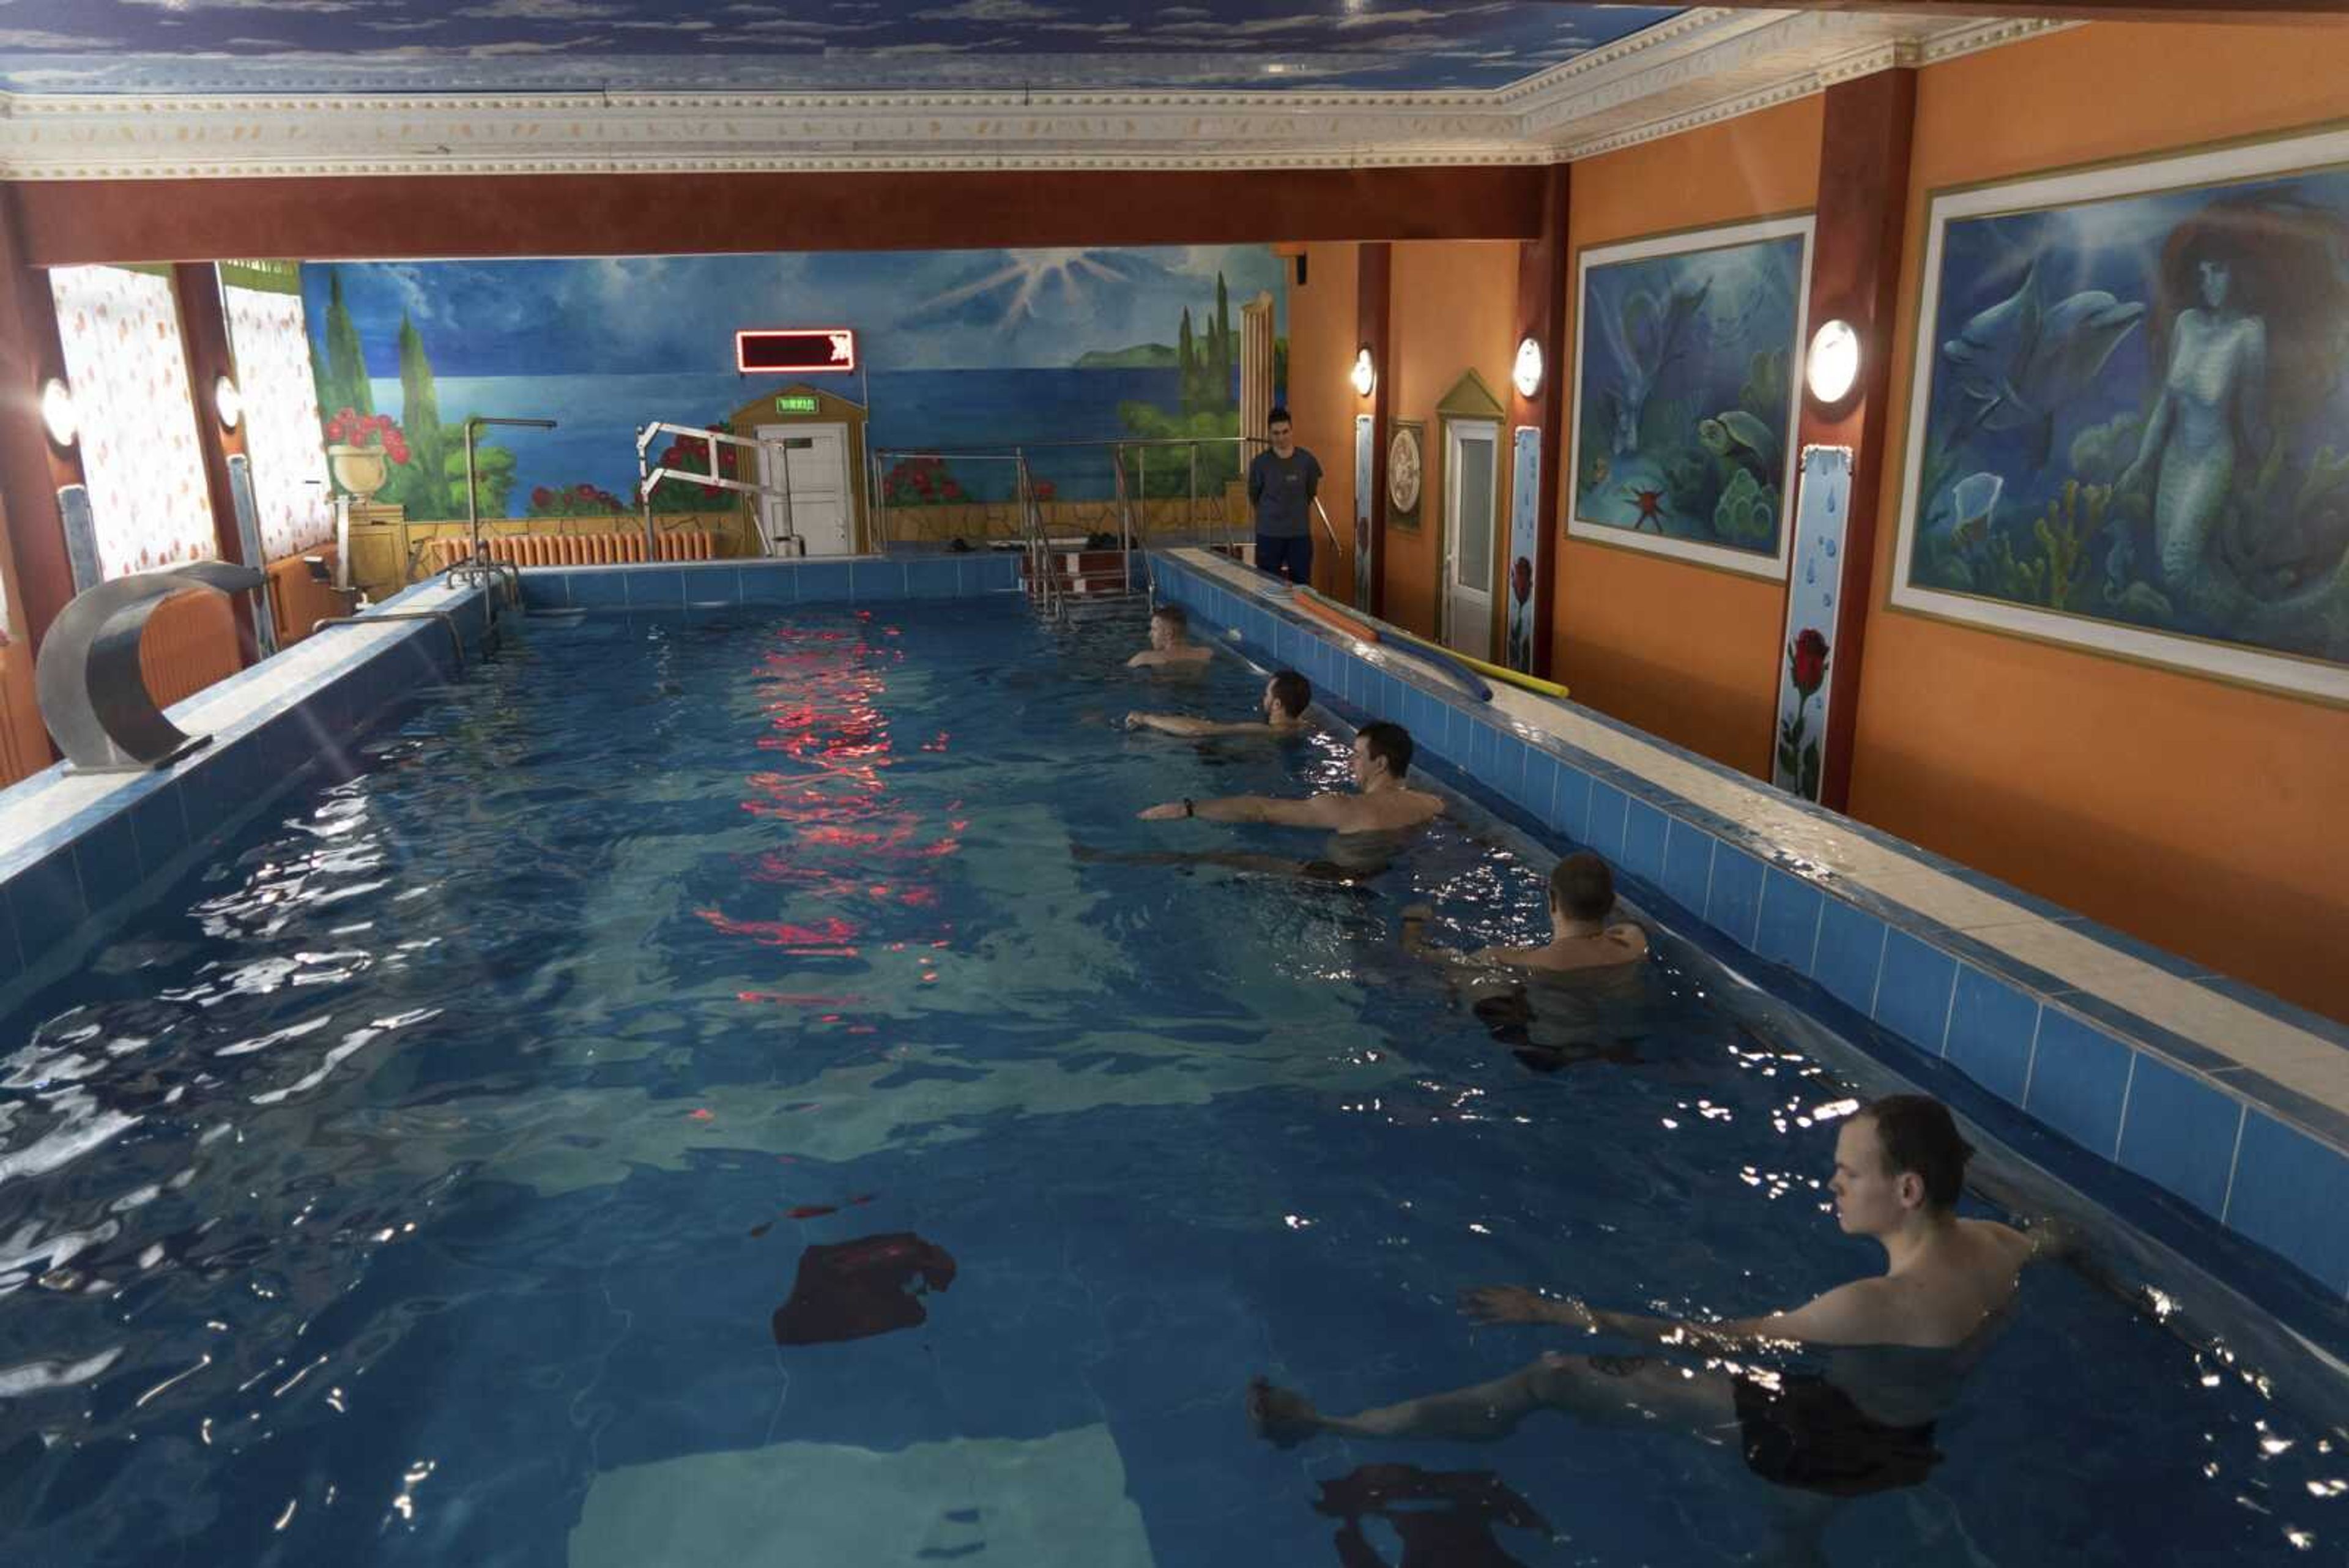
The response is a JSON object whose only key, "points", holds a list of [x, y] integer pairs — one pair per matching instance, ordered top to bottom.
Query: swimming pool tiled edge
{"points": [[702, 584], [75, 851], [2266, 1163]]}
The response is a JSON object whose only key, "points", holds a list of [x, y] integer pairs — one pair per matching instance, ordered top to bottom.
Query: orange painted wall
{"points": [[1455, 309], [1321, 401], [1684, 651], [2204, 817]]}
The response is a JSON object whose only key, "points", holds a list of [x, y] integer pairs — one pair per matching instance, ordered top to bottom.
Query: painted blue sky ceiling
{"points": [[414, 46]]}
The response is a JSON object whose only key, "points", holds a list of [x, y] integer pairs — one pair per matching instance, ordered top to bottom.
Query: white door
{"points": [[809, 464], [1472, 494]]}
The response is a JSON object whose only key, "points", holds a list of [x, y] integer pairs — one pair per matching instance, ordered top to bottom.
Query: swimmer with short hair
{"points": [[1170, 641], [1286, 697], [1380, 801], [1581, 896], [1899, 1344]]}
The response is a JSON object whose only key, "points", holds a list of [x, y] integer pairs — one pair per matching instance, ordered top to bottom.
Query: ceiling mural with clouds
{"points": [[836, 46]]}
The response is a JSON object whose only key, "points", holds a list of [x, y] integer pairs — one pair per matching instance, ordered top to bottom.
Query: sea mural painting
{"points": [[962, 348], [1684, 396], [2133, 402]]}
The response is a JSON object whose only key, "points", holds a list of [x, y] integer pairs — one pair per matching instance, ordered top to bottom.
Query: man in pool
{"points": [[1170, 643], [1286, 697], [1381, 802], [1366, 828], [1581, 897], [1547, 1004], [1897, 1345]]}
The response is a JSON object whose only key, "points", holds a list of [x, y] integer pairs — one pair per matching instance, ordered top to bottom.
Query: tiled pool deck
{"points": [[2228, 1099]]}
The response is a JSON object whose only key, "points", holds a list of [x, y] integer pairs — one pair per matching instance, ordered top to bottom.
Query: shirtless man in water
{"points": [[1170, 643], [1286, 697], [1381, 802], [1581, 896], [1544, 1002], [1898, 1344]]}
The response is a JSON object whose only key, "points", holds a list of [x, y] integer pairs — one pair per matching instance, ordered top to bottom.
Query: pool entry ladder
{"points": [[649, 477]]}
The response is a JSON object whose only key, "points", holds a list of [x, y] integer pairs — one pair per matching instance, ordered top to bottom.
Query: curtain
{"points": [[270, 341], [139, 442]]}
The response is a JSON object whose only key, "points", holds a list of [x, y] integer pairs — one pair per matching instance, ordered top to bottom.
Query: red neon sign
{"points": [[795, 350]]}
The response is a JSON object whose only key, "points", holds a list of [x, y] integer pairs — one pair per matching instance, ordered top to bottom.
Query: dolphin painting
{"points": [[2019, 361]]}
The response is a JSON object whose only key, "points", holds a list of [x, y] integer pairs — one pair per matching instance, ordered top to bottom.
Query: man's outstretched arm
{"points": [[1318, 812], [1848, 1314]]}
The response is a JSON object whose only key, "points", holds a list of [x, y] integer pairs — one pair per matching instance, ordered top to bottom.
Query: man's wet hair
{"points": [[1176, 617], [1292, 691], [1388, 743], [1582, 887], [1918, 1134]]}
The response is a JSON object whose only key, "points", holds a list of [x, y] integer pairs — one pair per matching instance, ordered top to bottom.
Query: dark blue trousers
{"points": [[1291, 558]]}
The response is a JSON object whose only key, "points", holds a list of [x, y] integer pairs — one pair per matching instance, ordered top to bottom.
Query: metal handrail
{"points": [[443, 616]]}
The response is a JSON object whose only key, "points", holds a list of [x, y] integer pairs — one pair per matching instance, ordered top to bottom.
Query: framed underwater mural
{"points": [[1684, 348], [2129, 422]]}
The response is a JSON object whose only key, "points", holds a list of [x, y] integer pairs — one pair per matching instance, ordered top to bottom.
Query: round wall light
{"points": [[1834, 362], [1528, 372], [1365, 376], [228, 403], [58, 413]]}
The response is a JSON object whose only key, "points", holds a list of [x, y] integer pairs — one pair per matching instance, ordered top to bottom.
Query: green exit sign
{"points": [[796, 403]]}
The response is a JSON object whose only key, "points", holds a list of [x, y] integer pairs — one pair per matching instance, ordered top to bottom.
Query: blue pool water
{"points": [[419, 1182]]}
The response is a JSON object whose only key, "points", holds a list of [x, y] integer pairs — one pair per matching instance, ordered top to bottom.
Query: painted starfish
{"points": [[1652, 507]]}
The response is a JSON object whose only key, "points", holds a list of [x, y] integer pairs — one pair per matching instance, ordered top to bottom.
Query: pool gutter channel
{"points": [[1255, 621]]}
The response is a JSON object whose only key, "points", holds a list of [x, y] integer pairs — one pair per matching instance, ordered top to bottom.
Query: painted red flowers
{"points": [[351, 428], [1807, 660]]}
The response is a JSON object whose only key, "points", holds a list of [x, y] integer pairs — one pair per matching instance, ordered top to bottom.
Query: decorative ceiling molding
{"points": [[1700, 68]]}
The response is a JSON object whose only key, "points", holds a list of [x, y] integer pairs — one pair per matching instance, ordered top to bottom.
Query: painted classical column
{"points": [[1542, 278], [1855, 278], [1373, 280], [204, 336], [33, 469]]}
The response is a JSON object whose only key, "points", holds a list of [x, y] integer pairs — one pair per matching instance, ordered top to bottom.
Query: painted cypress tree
{"points": [[1220, 360], [1186, 363], [347, 376], [423, 486]]}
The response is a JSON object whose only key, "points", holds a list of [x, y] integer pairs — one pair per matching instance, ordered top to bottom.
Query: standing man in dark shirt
{"points": [[1282, 484]]}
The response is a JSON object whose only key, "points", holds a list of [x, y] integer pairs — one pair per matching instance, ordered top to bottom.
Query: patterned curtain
{"points": [[270, 341], [139, 442]]}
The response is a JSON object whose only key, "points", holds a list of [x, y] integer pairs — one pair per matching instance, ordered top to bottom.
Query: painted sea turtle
{"points": [[1744, 440]]}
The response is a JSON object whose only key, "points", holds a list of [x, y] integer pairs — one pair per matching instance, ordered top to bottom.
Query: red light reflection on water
{"points": [[849, 850]]}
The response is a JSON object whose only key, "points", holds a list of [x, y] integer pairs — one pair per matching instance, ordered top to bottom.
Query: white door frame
{"points": [[775, 435], [1477, 599]]}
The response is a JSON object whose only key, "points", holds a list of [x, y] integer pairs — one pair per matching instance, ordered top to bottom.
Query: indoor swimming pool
{"points": [[509, 1148]]}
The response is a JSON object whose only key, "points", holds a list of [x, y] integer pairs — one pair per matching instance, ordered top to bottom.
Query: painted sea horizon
{"points": [[597, 416]]}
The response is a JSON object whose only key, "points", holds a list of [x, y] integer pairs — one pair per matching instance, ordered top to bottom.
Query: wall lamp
{"points": [[1832, 366], [1527, 374], [1365, 375], [228, 403], [58, 413]]}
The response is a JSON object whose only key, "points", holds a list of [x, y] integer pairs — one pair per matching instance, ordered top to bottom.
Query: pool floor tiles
{"points": [[2153, 1103]]}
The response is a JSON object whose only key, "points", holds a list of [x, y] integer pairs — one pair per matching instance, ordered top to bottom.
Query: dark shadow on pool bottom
{"points": [[855, 1290], [1446, 1518]]}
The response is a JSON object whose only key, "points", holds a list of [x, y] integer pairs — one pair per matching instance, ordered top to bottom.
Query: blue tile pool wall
{"points": [[703, 585], [58, 885], [2268, 1164]]}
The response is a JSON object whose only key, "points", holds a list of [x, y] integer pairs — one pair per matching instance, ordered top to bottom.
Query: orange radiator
{"points": [[571, 549], [298, 601], [190, 642], [24, 742]]}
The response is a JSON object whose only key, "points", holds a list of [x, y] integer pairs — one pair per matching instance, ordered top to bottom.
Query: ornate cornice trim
{"points": [[1698, 68]]}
